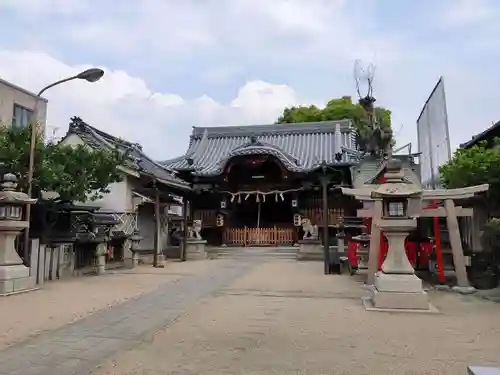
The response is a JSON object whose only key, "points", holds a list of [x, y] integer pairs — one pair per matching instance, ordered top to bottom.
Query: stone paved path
{"points": [[264, 316], [75, 348]]}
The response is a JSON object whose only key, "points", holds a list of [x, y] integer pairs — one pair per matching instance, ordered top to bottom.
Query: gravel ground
{"points": [[62, 302], [288, 318]]}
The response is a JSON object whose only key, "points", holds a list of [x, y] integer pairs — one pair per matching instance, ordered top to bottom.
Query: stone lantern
{"points": [[135, 239], [14, 275], [396, 286]]}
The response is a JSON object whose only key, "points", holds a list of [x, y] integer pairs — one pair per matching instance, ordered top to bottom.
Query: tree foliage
{"points": [[370, 138], [479, 164], [75, 173]]}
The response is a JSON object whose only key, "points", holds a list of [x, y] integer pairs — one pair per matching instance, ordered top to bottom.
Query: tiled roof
{"points": [[489, 133], [300, 147], [137, 160]]}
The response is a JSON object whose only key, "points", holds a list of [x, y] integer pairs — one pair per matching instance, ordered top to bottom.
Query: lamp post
{"points": [[89, 75]]}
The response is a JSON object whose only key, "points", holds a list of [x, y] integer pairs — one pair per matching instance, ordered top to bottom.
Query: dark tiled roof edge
{"points": [[278, 129], [481, 136], [99, 138]]}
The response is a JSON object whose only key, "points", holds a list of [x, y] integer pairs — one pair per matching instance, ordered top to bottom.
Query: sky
{"points": [[173, 64]]}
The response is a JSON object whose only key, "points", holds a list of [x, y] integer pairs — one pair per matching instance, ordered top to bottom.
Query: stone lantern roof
{"points": [[396, 185], [8, 193]]}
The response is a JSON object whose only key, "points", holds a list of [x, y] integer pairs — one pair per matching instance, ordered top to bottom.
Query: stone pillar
{"points": [[456, 244], [374, 252], [101, 258]]}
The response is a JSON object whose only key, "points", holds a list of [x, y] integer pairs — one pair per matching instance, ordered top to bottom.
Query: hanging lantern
{"points": [[295, 203], [223, 204], [219, 220], [297, 220]]}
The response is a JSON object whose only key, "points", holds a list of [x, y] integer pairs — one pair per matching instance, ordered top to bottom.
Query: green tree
{"points": [[372, 136], [479, 164], [75, 173]]}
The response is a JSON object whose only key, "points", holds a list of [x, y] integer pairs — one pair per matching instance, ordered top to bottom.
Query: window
{"points": [[21, 116], [396, 209]]}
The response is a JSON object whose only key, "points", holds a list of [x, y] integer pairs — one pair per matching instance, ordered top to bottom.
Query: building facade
{"points": [[18, 106], [255, 184], [133, 200]]}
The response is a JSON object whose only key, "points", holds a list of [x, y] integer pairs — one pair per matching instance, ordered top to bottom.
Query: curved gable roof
{"points": [[300, 147]]}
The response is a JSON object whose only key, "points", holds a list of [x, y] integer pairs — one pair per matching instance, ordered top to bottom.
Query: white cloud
{"points": [[308, 45], [125, 106]]}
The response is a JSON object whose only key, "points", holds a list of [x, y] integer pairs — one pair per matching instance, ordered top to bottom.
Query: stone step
{"points": [[248, 252]]}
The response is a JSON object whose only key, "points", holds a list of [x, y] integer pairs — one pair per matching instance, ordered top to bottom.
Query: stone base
{"points": [[195, 249], [310, 250], [160, 261], [16, 279], [397, 283], [464, 289], [398, 291], [398, 300], [370, 306]]}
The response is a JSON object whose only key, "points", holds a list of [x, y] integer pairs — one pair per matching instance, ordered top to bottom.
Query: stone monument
{"points": [[195, 244], [310, 245], [14, 275]]}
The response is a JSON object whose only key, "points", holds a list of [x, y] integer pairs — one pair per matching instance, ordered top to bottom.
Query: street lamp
{"points": [[90, 75]]}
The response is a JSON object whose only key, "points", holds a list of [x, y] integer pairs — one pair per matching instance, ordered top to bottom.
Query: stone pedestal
{"points": [[195, 249], [310, 249], [101, 258], [135, 258], [160, 261], [14, 275], [397, 287], [398, 291]]}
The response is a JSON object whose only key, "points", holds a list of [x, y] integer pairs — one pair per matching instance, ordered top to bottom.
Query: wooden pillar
{"points": [[185, 209], [166, 229], [456, 243], [326, 245], [374, 252], [158, 254]]}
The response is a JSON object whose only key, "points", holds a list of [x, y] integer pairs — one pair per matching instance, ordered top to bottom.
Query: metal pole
{"points": [[31, 165], [326, 246]]}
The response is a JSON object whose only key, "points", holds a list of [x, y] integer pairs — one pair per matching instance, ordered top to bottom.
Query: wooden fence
{"points": [[316, 215], [259, 236]]}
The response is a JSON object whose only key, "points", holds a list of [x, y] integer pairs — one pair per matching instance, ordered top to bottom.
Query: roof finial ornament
{"points": [[253, 139]]}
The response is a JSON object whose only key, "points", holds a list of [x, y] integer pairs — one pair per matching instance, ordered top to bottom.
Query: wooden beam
{"points": [[462, 193], [429, 212]]}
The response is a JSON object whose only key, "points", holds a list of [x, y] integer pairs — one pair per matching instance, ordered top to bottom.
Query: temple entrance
{"points": [[260, 210], [262, 214], [264, 223]]}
